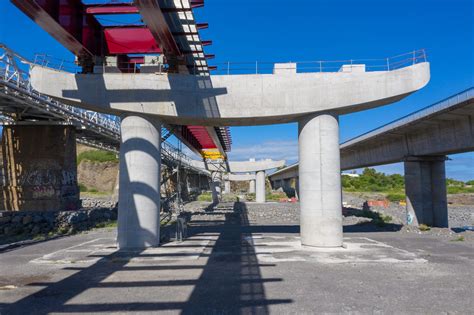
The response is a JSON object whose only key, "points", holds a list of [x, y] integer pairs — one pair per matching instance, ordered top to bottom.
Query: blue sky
{"points": [[281, 30]]}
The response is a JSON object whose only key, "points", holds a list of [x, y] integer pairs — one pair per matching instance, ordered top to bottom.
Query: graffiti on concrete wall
{"points": [[46, 173], [45, 191]]}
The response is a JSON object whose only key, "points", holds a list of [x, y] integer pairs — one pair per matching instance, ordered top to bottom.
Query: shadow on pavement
{"points": [[230, 282]]}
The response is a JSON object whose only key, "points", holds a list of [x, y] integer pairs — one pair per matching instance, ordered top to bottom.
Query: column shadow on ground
{"points": [[230, 282]]}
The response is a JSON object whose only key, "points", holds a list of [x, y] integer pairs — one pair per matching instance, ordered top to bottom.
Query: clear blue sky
{"points": [[278, 30]]}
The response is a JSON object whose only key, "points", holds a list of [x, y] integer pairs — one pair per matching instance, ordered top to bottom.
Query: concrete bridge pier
{"points": [[39, 169], [216, 178], [320, 181], [227, 186], [252, 186], [260, 187], [425, 187], [139, 190]]}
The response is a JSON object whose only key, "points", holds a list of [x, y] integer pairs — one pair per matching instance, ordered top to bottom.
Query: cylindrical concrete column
{"points": [[320, 181], [227, 186], [252, 186], [260, 187], [139, 192]]}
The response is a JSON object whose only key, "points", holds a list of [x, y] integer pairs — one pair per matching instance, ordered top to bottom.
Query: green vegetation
{"points": [[97, 156], [371, 180], [393, 186], [82, 187], [459, 187], [90, 191], [205, 196], [275, 196], [396, 197], [106, 224], [424, 227], [460, 238]]}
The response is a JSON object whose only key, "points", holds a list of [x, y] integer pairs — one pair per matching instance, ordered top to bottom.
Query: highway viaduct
{"points": [[315, 100], [422, 141]]}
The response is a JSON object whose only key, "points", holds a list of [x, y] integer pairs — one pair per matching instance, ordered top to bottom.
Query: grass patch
{"points": [[97, 156], [452, 190], [205, 196], [275, 196], [395, 197], [106, 224], [423, 227], [460, 238]]}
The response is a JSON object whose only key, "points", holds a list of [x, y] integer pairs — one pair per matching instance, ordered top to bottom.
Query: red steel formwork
{"points": [[76, 26]]}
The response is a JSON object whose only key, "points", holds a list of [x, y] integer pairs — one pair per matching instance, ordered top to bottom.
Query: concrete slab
{"points": [[106, 249]]}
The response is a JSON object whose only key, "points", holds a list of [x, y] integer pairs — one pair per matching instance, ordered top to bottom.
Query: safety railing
{"points": [[252, 67], [263, 67], [12, 76]]}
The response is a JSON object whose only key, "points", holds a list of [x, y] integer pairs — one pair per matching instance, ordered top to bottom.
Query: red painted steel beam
{"points": [[119, 8], [63, 21], [156, 22], [130, 40], [202, 136]]}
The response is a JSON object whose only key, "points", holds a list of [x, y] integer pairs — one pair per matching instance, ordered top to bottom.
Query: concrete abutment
{"points": [[39, 167], [320, 181]]}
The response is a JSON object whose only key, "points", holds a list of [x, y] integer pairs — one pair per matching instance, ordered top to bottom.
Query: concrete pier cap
{"points": [[232, 100], [314, 100]]}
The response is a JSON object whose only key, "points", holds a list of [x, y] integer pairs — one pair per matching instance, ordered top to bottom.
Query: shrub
{"points": [[82, 187], [423, 227]]}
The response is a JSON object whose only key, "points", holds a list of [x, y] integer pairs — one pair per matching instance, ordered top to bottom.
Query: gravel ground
{"points": [[288, 214]]}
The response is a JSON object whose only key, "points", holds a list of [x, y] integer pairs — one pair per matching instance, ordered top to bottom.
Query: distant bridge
{"points": [[421, 140]]}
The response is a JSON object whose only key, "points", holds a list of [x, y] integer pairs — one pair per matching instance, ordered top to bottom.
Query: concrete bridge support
{"points": [[39, 168], [216, 178], [320, 181], [227, 186], [252, 186], [260, 187], [425, 187], [139, 197]]}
